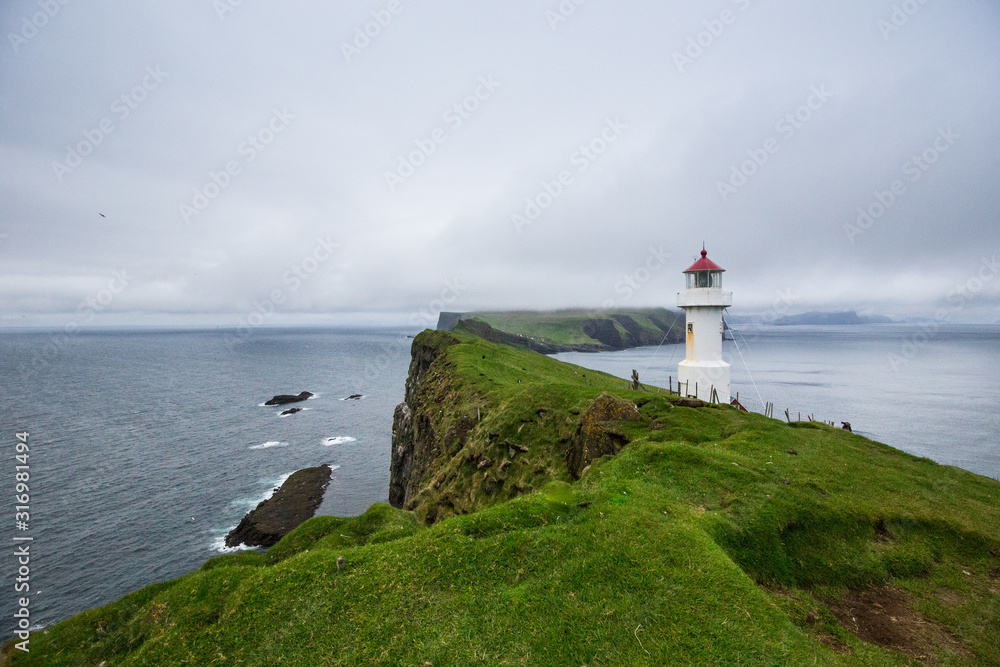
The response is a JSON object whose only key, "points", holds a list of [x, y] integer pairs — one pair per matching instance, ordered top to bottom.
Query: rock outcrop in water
{"points": [[284, 399], [296, 500]]}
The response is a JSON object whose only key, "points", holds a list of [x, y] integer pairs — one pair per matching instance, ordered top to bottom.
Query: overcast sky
{"points": [[197, 161]]}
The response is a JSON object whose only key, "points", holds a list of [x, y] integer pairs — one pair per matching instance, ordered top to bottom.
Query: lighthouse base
{"points": [[697, 379]]}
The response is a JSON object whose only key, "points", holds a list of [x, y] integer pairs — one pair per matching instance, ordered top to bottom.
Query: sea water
{"points": [[148, 447]]}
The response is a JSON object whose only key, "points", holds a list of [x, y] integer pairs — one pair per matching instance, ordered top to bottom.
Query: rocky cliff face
{"points": [[476, 428], [413, 436], [593, 439]]}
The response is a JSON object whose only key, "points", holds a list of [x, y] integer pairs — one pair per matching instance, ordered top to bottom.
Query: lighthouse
{"points": [[703, 369]]}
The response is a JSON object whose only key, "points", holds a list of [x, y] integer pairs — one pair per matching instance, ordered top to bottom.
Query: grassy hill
{"points": [[565, 330], [712, 537]]}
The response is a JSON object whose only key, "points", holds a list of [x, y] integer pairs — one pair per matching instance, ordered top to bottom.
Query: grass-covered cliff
{"points": [[569, 330], [711, 536]]}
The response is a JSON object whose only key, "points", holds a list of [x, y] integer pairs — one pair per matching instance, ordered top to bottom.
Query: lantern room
{"points": [[704, 273]]}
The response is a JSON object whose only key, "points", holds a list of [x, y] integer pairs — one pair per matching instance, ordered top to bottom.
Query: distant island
{"points": [[816, 318], [573, 330]]}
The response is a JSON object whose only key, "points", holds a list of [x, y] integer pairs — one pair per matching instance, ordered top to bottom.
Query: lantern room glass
{"points": [[704, 280]]}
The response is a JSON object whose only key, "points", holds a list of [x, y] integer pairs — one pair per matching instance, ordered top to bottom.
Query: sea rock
{"points": [[354, 397], [283, 399], [291, 411], [593, 439], [296, 500]]}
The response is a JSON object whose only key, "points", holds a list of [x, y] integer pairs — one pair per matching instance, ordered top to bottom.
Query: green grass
{"points": [[705, 543]]}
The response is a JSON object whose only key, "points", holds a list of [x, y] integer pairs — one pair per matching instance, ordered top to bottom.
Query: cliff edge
{"points": [[556, 516]]}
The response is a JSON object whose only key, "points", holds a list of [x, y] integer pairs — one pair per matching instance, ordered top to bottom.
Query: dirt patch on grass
{"points": [[882, 533], [950, 598], [883, 616]]}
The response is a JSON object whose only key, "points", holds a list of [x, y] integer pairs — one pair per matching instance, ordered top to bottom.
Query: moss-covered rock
{"points": [[593, 438]]}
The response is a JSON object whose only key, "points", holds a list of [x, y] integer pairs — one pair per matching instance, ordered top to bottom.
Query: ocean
{"points": [[147, 447]]}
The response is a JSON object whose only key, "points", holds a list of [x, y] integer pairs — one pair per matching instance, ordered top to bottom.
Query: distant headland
{"points": [[572, 330]]}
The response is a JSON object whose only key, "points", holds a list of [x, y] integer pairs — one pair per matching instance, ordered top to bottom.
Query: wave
{"points": [[338, 440], [269, 444], [272, 485], [219, 543]]}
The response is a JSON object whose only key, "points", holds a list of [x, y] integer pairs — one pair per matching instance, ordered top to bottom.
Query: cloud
{"points": [[287, 140]]}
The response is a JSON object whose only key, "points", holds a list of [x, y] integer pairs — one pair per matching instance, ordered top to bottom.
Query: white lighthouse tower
{"points": [[703, 369]]}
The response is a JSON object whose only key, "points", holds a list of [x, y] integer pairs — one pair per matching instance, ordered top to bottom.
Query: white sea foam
{"points": [[338, 440], [269, 444], [272, 484], [276, 485], [219, 543]]}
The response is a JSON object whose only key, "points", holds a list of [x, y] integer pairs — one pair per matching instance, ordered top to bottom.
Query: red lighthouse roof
{"points": [[704, 264]]}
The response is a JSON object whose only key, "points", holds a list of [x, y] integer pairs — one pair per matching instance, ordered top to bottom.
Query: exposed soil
{"points": [[882, 533], [950, 598], [883, 616]]}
